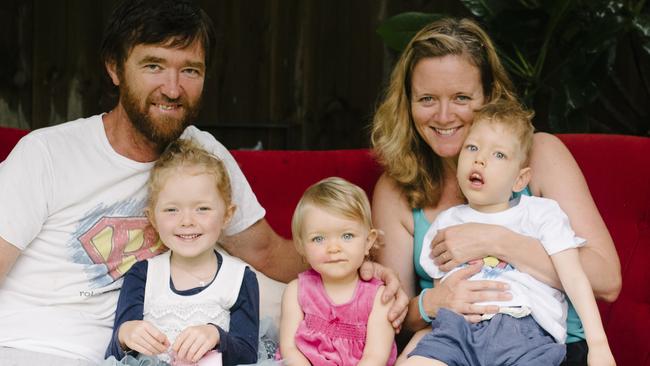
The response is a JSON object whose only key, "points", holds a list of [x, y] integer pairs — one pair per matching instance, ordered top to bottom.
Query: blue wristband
{"points": [[423, 314]]}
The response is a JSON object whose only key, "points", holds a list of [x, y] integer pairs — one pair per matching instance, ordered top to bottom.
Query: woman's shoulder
{"points": [[544, 142], [551, 162], [388, 193], [389, 204]]}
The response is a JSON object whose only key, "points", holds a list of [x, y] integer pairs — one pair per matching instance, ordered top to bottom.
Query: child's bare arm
{"points": [[578, 289], [291, 317], [380, 333]]}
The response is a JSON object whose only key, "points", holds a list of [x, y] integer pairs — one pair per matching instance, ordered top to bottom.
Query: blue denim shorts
{"points": [[502, 340]]}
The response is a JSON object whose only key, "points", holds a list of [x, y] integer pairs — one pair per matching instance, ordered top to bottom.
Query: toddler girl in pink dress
{"points": [[329, 315]]}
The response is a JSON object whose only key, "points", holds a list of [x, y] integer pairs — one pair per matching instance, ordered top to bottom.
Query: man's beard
{"points": [[163, 130]]}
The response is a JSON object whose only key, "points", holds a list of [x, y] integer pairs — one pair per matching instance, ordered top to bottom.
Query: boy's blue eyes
{"points": [[498, 154]]}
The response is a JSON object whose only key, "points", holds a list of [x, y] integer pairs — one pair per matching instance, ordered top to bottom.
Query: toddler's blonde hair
{"points": [[335, 195]]}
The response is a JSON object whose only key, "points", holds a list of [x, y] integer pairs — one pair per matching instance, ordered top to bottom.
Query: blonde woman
{"points": [[448, 70]]}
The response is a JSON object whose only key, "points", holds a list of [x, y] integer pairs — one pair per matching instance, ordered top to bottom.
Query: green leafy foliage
{"points": [[559, 53]]}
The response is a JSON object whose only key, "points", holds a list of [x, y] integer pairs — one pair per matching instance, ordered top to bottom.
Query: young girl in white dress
{"points": [[192, 305]]}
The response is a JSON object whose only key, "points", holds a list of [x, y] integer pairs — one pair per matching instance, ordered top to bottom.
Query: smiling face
{"points": [[160, 89], [445, 92], [490, 167], [190, 213], [335, 246]]}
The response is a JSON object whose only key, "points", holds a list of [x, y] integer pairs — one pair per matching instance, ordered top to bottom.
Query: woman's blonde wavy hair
{"points": [[405, 156]]}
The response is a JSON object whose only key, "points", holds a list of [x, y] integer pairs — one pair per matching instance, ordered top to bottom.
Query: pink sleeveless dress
{"points": [[334, 335]]}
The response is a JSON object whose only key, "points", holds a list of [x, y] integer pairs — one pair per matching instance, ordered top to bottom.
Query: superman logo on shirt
{"points": [[119, 242]]}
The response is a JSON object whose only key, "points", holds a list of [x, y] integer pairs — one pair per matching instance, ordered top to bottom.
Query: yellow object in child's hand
{"points": [[490, 261]]}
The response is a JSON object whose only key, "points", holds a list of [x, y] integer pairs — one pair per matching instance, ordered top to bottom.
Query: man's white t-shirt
{"points": [[74, 207], [536, 217]]}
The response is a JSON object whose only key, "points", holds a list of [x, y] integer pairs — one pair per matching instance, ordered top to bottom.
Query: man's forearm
{"points": [[265, 250]]}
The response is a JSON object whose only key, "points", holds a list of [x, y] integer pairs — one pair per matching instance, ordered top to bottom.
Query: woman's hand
{"points": [[460, 244], [393, 290], [460, 295], [142, 337]]}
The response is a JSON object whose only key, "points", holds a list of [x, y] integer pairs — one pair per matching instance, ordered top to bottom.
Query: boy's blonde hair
{"points": [[513, 116], [184, 153], [335, 195]]}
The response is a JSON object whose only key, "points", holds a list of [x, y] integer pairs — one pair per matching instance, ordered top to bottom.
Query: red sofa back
{"points": [[617, 171]]}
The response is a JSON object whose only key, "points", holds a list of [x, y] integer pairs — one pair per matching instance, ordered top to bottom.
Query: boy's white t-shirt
{"points": [[536, 217], [60, 296]]}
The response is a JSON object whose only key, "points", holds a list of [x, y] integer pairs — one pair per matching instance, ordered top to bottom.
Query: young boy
{"points": [[530, 329]]}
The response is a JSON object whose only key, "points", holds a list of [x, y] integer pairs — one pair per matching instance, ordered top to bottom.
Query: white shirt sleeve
{"points": [[25, 192], [248, 210], [555, 232]]}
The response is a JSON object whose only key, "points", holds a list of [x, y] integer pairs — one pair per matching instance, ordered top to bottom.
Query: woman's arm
{"points": [[561, 179], [392, 216], [459, 244], [291, 317], [379, 335]]}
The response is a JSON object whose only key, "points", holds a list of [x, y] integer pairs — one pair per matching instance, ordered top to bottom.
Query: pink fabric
{"points": [[334, 335]]}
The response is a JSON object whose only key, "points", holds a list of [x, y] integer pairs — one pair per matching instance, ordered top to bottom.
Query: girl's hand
{"points": [[460, 244], [392, 290], [460, 295], [142, 337], [194, 342]]}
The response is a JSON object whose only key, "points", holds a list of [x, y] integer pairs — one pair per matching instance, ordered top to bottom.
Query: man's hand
{"points": [[393, 289], [142, 337], [194, 342]]}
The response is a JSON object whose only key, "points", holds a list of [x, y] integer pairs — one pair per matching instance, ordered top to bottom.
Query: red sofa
{"points": [[617, 171]]}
